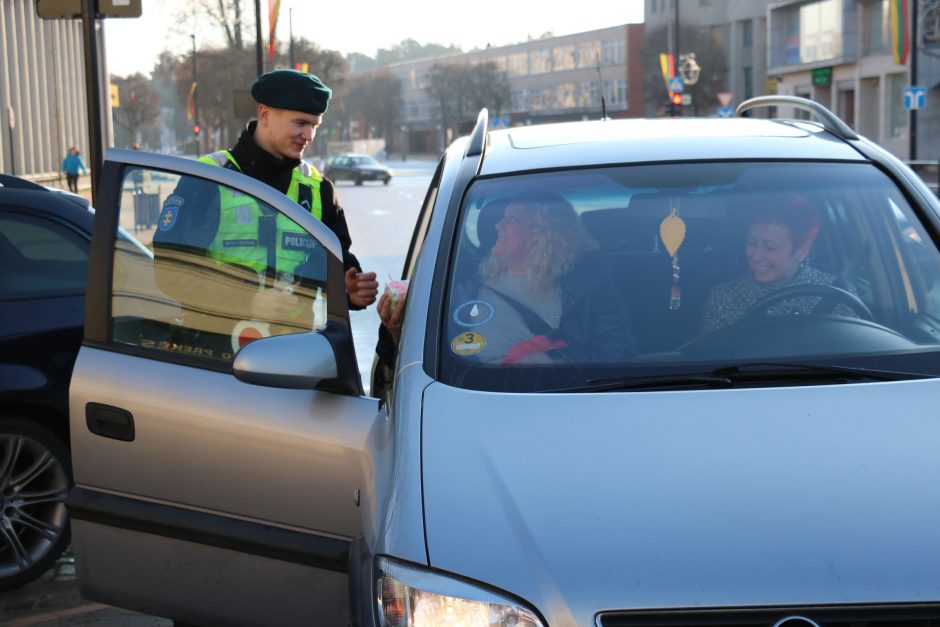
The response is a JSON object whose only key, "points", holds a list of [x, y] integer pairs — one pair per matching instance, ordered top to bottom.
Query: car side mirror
{"points": [[296, 361]]}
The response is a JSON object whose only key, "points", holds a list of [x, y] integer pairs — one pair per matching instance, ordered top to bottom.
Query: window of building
{"points": [[875, 27], [820, 31], [747, 34], [613, 52], [589, 54], [564, 58], [540, 61], [518, 64], [748, 83], [616, 92], [566, 96], [517, 100], [897, 114]]}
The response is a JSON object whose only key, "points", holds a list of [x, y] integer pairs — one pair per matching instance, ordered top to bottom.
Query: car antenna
{"points": [[600, 86]]}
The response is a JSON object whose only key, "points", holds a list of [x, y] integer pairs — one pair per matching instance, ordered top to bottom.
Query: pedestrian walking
{"points": [[71, 166]]}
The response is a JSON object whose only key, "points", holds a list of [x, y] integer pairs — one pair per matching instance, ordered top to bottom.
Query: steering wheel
{"points": [[830, 297]]}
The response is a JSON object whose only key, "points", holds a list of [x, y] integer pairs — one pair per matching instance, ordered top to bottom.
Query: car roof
{"points": [[603, 142], [39, 199]]}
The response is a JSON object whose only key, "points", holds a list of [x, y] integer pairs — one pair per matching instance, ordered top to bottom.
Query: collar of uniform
{"points": [[260, 164]]}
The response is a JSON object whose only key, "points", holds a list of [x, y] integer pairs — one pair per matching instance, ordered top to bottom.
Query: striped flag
{"points": [[274, 7], [900, 16], [191, 102]]}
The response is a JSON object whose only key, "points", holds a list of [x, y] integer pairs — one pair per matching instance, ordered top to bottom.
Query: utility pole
{"points": [[290, 31], [675, 36], [259, 55], [93, 95], [196, 98], [913, 127]]}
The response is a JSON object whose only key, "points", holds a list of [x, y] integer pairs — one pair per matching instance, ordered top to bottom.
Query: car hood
{"points": [[580, 503]]}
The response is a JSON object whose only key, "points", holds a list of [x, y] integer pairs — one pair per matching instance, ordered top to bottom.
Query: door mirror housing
{"points": [[296, 361]]}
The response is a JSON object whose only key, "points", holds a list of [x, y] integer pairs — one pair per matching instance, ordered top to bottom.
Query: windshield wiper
{"points": [[745, 373]]}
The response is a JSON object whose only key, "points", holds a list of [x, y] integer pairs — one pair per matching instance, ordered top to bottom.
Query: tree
{"points": [[228, 15], [411, 50], [461, 90], [376, 100], [139, 105]]}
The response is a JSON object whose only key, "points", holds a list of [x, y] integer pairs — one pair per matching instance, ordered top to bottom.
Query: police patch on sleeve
{"points": [[171, 209]]}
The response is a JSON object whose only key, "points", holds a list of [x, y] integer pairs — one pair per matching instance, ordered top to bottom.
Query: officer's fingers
{"points": [[367, 276]]}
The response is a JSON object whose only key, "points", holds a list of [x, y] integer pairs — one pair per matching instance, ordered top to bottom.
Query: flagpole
{"points": [[290, 30], [258, 43], [195, 95], [913, 126]]}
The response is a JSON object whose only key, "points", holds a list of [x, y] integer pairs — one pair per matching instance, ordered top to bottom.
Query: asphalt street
{"points": [[381, 219]]}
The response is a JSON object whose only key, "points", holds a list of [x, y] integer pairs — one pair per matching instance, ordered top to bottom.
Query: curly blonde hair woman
{"points": [[539, 236]]}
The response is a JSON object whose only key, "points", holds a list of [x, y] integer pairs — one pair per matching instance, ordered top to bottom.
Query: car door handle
{"points": [[109, 422]]}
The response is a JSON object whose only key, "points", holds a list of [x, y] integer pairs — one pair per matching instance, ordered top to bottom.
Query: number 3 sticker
{"points": [[468, 344]]}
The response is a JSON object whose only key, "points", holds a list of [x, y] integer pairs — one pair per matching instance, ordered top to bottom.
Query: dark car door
{"points": [[215, 472]]}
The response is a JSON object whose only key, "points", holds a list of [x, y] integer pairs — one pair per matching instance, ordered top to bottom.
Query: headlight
{"points": [[412, 597]]}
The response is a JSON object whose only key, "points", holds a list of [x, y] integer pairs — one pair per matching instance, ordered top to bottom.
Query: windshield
{"points": [[565, 278]]}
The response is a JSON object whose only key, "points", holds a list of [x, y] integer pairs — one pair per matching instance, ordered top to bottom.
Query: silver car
{"points": [[651, 372]]}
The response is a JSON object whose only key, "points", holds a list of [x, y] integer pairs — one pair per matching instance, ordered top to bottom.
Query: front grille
{"points": [[890, 615]]}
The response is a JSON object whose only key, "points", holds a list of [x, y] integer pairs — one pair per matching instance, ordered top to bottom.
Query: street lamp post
{"points": [[290, 33], [195, 95]]}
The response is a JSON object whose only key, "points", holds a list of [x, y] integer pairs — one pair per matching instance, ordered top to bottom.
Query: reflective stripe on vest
{"points": [[246, 235]]}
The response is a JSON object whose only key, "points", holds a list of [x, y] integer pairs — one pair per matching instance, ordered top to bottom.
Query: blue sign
{"points": [[676, 85], [915, 97], [725, 112], [500, 122]]}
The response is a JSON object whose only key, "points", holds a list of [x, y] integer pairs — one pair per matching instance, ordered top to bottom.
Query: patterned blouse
{"points": [[726, 303]]}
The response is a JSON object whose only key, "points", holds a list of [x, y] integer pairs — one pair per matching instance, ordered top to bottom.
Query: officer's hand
{"points": [[361, 287]]}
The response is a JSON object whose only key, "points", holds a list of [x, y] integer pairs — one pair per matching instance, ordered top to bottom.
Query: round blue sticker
{"points": [[473, 313]]}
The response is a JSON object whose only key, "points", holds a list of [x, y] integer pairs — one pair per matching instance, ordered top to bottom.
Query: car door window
{"points": [[39, 255], [210, 280]]}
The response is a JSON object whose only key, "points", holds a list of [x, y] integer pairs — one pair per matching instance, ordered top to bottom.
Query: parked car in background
{"points": [[357, 168], [44, 242], [628, 392]]}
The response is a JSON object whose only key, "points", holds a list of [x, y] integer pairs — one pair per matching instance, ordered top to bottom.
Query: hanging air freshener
{"points": [[672, 232]]}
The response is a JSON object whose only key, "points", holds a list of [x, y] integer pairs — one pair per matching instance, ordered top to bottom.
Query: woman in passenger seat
{"points": [[778, 243], [538, 298]]}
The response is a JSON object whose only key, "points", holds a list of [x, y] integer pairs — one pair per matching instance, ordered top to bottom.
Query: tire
{"points": [[387, 179], [358, 180], [35, 477]]}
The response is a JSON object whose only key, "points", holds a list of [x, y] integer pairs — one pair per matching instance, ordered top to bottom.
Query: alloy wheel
{"points": [[33, 519]]}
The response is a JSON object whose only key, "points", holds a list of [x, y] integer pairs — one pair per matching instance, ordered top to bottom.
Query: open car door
{"points": [[217, 416]]}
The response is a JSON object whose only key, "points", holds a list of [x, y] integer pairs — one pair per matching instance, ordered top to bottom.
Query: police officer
{"points": [[291, 105]]}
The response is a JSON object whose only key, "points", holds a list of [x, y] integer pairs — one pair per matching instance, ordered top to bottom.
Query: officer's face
{"points": [[285, 133]]}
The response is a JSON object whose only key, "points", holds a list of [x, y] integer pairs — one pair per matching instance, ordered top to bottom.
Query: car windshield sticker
{"points": [[474, 313], [249, 331], [468, 343]]}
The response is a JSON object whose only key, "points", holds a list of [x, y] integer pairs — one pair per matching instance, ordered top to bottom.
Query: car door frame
{"points": [[114, 529]]}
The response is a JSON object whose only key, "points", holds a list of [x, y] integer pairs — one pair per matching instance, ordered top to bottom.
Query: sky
{"points": [[133, 44]]}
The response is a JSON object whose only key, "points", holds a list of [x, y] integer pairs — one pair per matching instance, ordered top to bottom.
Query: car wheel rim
{"points": [[33, 486]]}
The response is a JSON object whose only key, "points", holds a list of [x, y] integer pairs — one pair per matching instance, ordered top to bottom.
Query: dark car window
{"points": [[40, 256], [677, 270]]}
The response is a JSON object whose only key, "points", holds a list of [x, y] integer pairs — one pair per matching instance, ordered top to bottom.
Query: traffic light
{"points": [[196, 130]]}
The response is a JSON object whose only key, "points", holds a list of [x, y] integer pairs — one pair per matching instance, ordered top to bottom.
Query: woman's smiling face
{"points": [[772, 255]]}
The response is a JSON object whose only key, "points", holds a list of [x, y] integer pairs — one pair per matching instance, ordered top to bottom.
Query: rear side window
{"points": [[40, 256], [564, 278]]}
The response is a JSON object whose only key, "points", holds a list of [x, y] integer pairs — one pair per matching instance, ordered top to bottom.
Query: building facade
{"points": [[836, 52], [550, 80], [42, 91]]}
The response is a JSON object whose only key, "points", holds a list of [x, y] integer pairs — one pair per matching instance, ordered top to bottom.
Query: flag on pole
{"points": [[274, 7], [900, 17], [191, 102]]}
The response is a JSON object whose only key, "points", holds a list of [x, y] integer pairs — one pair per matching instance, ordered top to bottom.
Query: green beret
{"points": [[292, 89]]}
